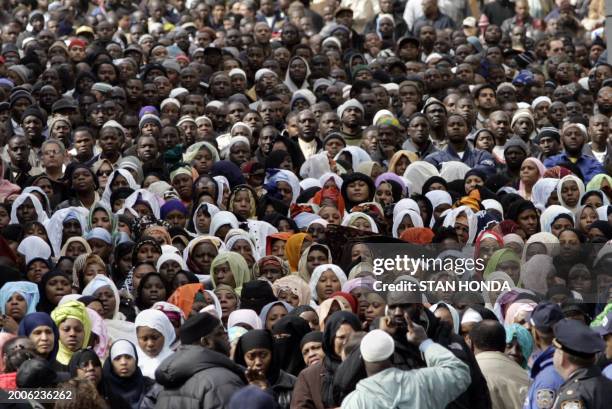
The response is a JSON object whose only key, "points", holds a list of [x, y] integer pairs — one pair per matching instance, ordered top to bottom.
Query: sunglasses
{"points": [[104, 173]]}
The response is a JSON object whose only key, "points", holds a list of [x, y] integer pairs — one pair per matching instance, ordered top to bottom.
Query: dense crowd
{"points": [[198, 201]]}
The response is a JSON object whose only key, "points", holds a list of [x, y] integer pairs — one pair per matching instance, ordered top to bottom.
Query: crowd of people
{"points": [[197, 197]]}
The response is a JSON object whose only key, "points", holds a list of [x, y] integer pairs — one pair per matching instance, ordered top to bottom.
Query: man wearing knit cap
{"points": [[351, 115], [549, 141], [199, 374], [388, 387]]}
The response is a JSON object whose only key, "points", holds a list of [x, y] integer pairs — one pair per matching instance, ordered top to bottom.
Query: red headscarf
{"points": [[331, 193], [417, 235]]}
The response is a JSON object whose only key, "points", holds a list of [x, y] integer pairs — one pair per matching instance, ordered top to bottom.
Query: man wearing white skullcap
{"points": [[444, 379]]}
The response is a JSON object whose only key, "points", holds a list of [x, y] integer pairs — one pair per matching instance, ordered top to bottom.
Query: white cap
{"points": [[376, 346]]}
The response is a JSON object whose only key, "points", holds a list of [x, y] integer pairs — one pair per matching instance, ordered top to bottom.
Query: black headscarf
{"points": [[275, 158], [230, 170], [352, 178], [431, 181], [518, 207], [603, 226], [256, 294], [45, 305], [313, 336], [258, 339], [289, 347], [82, 357], [331, 362], [132, 388]]}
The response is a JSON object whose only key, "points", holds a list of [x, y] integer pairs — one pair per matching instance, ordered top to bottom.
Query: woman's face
{"points": [[297, 70], [240, 153], [203, 161], [401, 165], [103, 173], [529, 173], [82, 180], [118, 182], [472, 182], [358, 191], [286, 192], [570, 193], [384, 194], [594, 200], [241, 204], [26, 212], [330, 214], [587, 216], [5, 217], [101, 219], [528, 221], [406, 223], [362, 224], [561, 224], [462, 228], [570, 244], [488, 246], [243, 248], [75, 249], [534, 249], [148, 253], [203, 255], [316, 257], [512, 268], [36, 270], [91, 270], [168, 270], [224, 275], [579, 280], [327, 285], [56, 288], [153, 290], [107, 297], [228, 302], [16, 307], [375, 307], [276, 313], [72, 334], [342, 336], [43, 339], [150, 341], [513, 350], [259, 359], [124, 366], [90, 371]]}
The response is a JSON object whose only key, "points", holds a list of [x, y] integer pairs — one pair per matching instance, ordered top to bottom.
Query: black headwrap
{"points": [[230, 170], [518, 207], [603, 226], [256, 294], [45, 305], [313, 336], [258, 339], [289, 347], [82, 357], [131, 388]]}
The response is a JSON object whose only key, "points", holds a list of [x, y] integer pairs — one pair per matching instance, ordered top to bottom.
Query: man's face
{"points": [[345, 18], [105, 31], [10, 33], [262, 33], [427, 36], [555, 48], [409, 51], [76, 53], [134, 90], [486, 99], [436, 115], [352, 116], [329, 123], [307, 124], [499, 125], [32, 126], [599, 128], [456, 129], [572, 139], [110, 141], [83, 143], [549, 146], [147, 148], [19, 151], [52, 156]]}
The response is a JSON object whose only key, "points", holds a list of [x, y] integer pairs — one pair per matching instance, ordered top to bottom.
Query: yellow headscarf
{"points": [[238, 267], [77, 311]]}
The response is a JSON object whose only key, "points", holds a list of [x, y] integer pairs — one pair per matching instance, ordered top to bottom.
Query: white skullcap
{"points": [[332, 40], [237, 71], [263, 71], [391, 86], [177, 92], [539, 100], [167, 101], [350, 103], [470, 315], [376, 346]]}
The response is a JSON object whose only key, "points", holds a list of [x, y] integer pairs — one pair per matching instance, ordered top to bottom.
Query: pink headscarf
{"points": [[541, 170], [6, 188], [98, 327]]}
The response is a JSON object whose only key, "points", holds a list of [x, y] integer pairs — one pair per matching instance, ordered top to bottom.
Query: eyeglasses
{"points": [[104, 173]]}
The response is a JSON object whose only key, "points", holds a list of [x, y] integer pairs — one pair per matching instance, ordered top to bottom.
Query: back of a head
{"points": [[488, 335], [252, 397]]}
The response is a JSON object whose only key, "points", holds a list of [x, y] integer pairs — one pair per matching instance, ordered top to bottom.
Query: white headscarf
{"points": [[289, 82], [358, 156], [454, 170], [418, 173], [285, 176], [326, 176], [222, 184], [580, 185], [541, 191], [106, 195], [438, 197], [152, 200], [406, 204], [212, 210], [40, 212], [602, 212], [550, 214], [351, 217], [451, 217], [221, 219], [417, 221], [55, 225], [231, 241], [33, 247], [171, 256], [318, 272], [100, 281], [453, 312], [244, 316], [158, 321]]}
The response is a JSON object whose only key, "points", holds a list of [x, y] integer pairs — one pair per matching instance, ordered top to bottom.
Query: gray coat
{"points": [[195, 377]]}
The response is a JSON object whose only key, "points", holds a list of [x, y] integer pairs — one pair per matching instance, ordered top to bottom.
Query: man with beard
{"points": [[604, 101], [486, 102], [351, 118], [499, 125], [267, 136], [574, 137], [549, 141], [458, 148], [200, 369]]}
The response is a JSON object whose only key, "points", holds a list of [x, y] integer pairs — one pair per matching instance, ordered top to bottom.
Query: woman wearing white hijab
{"points": [[289, 82], [358, 155], [454, 170], [418, 173], [282, 175], [564, 183], [222, 187], [541, 191], [106, 195], [142, 195], [437, 198], [406, 204], [211, 209], [40, 212], [549, 216], [451, 218], [220, 219], [398, 219], [350, 220], [55, 225], [34, 247], [318, 272], [453, 313], [244, 317], [115, 321], [150, 325]]}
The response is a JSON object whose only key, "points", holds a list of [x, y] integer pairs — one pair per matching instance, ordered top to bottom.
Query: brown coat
{"points": [[307, 389]]}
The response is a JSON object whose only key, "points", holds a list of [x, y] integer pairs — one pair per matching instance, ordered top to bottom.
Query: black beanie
{"points": [[198, 326]]}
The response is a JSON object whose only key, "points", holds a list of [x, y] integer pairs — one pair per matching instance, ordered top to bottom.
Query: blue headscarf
{"points": [[172, 205], [28, 290], [263, 315], [37, 319], [524, 340]]}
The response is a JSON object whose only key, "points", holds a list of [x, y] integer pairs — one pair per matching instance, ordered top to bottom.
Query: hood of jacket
{"points": [[188, 360]]}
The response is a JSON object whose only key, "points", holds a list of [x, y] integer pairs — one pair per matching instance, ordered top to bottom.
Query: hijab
{"points": [[293, 87], [541, 169], [569, 178], [106, 195], [211, 209], [41, 216], [451, 217], [548, 217], [417, 221], [55, 225], [293, 249], [500, 256], [237, 265], [318, 272], [534, 272], [295, 285], [28, 290], [256, 294], [184, 296], [75, 310], [453, 312], [263, 315], [244, 316], [38, 319], [158, 321], [98, 327], [258, 339], [524, 339], [289, 347], [132, 388]]}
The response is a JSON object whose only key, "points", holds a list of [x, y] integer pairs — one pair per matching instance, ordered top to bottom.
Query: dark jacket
{"points": [[474, 158], [588, 165], [195, 377], [585, 388], [283, 389], [307, 390]]}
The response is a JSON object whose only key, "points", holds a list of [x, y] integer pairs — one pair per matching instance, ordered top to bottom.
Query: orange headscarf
{"points": [[330, 193], [472, 201], [417, 235], [276, 236], [293, 250], [183, 297]]}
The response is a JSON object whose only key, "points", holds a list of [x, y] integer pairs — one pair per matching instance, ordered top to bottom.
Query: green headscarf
{"points": [[596, 182], [100, 206], [500, 256], [238, 267]]}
